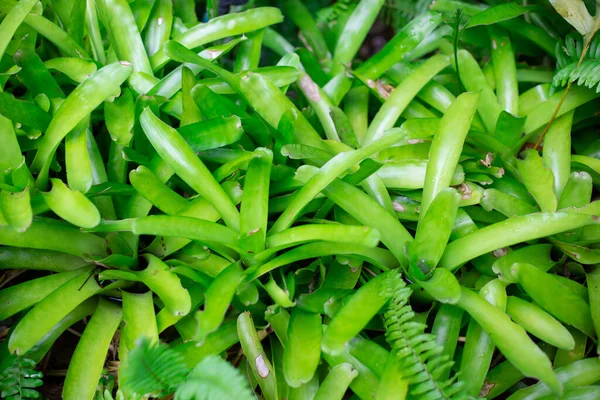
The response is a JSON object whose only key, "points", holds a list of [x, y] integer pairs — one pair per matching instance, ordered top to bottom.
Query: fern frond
{"points": [[333, 12], [398, 13], [567, 57], [418, 356], [152, 369], [19, 379], [214, 379]]}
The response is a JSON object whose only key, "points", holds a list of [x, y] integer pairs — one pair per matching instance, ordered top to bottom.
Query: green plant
{"points": [[334, 11], [398, 13], [457, 27], [568, 68], [223, 221], [415, 354], [152, 369], [157, 370], [214, 378], [19, 380]]}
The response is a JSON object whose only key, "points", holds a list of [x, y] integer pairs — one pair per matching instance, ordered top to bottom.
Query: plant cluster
{"points": [[230, 202]]}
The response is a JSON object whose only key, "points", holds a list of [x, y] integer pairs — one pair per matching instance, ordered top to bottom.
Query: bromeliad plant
{"points": [[246, 213]]}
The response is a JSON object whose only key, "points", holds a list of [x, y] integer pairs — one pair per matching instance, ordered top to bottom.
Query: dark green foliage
{"points": [[333, 12], [397, 13], [458, 25], [567, 57], [417, 353], [152, 369], [157, 370], [214, 379], [19, 380]]}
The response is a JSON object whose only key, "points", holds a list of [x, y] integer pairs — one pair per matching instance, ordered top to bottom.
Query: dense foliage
{"points": [[374, 199]]}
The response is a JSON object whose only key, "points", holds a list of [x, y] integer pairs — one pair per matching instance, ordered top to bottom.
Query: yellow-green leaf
{"points": [[538, 180]]}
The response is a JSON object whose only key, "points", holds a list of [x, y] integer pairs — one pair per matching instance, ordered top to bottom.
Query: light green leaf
{"points": [[499, 13], [298, 151], [538, 180], [581, 254], [214, 379]]}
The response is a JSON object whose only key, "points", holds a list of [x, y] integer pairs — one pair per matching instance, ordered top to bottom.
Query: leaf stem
{"points": [[564, 96]]}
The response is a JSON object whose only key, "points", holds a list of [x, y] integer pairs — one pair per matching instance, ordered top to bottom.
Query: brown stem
{"points": [[564, 96], [562, 99]]}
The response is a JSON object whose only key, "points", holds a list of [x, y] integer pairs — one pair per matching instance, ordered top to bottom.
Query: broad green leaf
{"points": [[499, 13], [12, 21], [75, 68], [189, 110], [24, 112], [119, 116], [343, 127], [509, 129], [212, 133], [297, 151], [10, 152], [590, 165], [538, 180], [504, 203], [16, 208], [433, 233], [581, 254]]}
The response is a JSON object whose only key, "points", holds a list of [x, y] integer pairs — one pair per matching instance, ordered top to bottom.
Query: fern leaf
{"points": [[333, 12], [395, 13], [398, 13], [587, 74], [561, 78], [418, 356], [152, 369], [214, 379], [18, 380]]}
